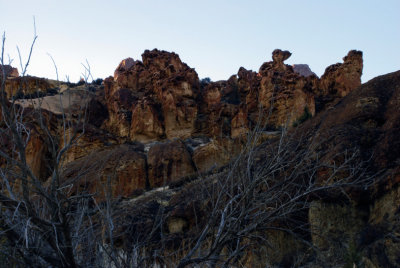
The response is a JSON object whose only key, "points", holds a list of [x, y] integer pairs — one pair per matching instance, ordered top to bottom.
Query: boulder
{"points": [[124, 66]]}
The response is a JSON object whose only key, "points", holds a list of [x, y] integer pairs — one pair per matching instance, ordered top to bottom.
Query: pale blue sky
{"points": [[214, 37]]}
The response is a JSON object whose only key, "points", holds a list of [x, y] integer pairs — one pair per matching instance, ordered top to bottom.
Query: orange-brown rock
{"points": [[124, 66], [8, 71], [341, 78], [248, 84], [27, 85], [162, 88], [284, 94], [160, 97], [119, 104], [218, 104], [147, 121], [240, 124], [90, 139], [34, 141], [209, 155], [36, 157], [168, 162], [119, 170]]}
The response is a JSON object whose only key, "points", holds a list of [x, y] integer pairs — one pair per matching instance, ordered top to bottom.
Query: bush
{"points": [[98, 81], [205, 81], [52, 91]]}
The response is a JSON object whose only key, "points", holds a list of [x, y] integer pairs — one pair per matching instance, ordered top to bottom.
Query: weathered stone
{"points": [[124, 66], [8, 71], [341, 78], [168, 85], [26, 86], [146, 122], [240, 125], [90, 139], [210, 156], [168, 162], [118, 171]]}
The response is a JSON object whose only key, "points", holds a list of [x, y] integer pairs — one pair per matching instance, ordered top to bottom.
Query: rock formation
{"points": [[8, 71], [340, 79], [27, 86], [154, 98], [160, 98], [157, 140], [168, 162], [364, 220]]}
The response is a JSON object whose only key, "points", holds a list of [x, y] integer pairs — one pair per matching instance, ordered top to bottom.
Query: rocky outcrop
{"points": [[8, 71], [340, 79], [27, 86], [285, 96], [160, 97], [154, 98], [71, 101], [159, 101], [147, 124], [189, 128], [360, 129], [159, 138], [91, 139], [210, 154], [357, 228]]}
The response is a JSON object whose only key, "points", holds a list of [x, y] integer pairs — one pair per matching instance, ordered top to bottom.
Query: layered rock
{"points": [[27, 86], [285, 96], [160, 99]]}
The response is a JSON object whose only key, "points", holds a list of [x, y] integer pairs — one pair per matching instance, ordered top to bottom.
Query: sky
{"points": [[215, 37]]}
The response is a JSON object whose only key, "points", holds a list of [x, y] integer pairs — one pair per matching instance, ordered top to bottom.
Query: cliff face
{"points": [[8, 71], [160, 98], [153, 99], [164, 140], [354, 141]]}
